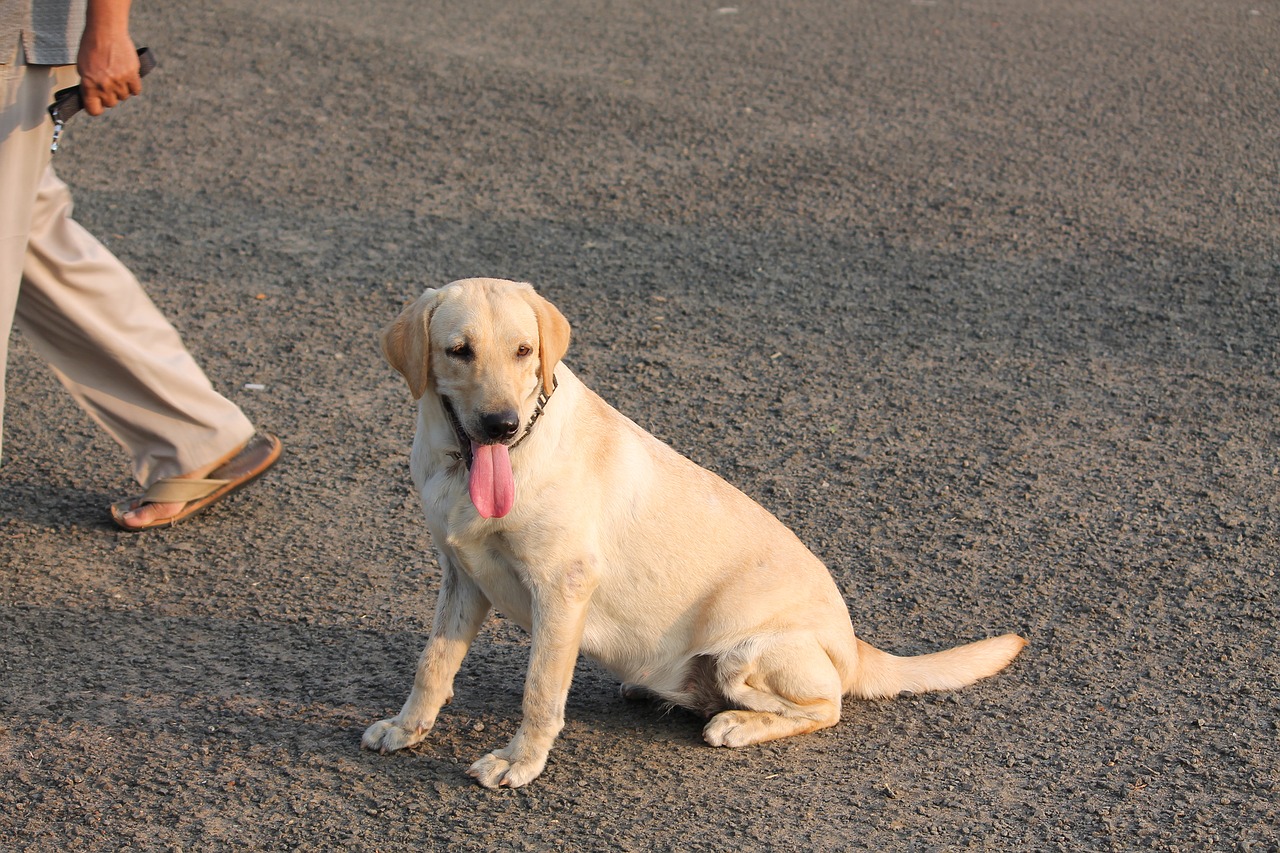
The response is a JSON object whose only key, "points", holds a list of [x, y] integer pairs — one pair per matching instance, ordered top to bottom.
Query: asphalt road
{"points": [[981, 298]]}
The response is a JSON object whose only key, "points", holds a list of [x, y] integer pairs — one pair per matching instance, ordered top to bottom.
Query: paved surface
{"points": [[980, 298]]}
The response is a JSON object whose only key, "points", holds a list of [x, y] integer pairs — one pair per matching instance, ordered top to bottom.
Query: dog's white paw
{"points": [[730, 728], [388, 735], [495, 771]]}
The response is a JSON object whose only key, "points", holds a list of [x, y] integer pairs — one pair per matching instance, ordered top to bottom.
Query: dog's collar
{"points": [[544, 397], [463, 453]]}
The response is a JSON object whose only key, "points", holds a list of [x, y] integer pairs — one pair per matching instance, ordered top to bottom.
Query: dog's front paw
{"points": [[388, 735], [496, 770]]}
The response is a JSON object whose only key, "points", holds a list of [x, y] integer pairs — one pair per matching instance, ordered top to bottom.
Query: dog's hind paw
{"points": [[729, 728], [742, 728], [388, 735], [493, 771]]}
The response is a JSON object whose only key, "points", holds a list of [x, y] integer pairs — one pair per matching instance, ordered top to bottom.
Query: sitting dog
{"points": [[546, 503]]}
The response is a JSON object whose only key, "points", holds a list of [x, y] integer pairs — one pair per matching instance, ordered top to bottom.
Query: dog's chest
{"points": [[443, 492], [489, 560]]}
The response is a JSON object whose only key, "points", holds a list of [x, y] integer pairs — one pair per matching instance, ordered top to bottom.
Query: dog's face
{"points": [[485, 346]]}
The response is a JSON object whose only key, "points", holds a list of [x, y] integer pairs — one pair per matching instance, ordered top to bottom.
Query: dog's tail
{"points": [[881, 675]]}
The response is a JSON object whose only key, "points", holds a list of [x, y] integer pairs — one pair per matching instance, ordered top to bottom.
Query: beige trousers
{"points": [[83, 312]]}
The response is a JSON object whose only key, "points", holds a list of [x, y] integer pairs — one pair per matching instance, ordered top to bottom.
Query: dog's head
{"points": [[485, 346]]}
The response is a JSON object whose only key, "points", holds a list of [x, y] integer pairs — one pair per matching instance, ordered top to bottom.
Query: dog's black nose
{"points": [[500, 425]]}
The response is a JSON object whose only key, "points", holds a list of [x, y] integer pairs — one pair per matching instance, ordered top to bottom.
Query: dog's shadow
{"points": [[490, 688]]}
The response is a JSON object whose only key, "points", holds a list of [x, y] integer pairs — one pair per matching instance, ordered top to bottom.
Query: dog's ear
{"points": [[553, 338], [406, 343]]}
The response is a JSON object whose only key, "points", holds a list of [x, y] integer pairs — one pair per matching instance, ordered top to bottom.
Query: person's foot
{"points": [[173, 499], [144, 515], [148, 515]]}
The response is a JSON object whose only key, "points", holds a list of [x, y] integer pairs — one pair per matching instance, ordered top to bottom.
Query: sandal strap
{"points": [[174, 490]]}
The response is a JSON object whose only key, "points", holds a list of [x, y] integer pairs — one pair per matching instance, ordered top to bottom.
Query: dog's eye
{"points": [[461, 351], [524, 351]]}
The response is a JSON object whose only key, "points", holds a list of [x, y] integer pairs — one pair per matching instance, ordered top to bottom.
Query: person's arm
{"points": [[108, 60]]}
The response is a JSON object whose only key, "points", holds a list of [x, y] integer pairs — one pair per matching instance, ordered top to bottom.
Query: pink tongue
{"points": [[493, 488]]}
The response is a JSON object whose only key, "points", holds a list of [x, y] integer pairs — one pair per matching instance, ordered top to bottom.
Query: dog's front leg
{"points": [[460, 610], [559, 614]]}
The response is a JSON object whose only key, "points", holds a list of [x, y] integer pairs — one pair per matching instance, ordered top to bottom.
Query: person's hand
{"points": [[107, 61]]}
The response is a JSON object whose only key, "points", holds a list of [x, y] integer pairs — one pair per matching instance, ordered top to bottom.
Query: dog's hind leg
{"points": [[460, 611], [788, 687]]}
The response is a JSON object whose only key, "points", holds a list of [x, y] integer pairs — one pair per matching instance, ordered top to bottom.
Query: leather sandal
{"points": [[196, 495]]}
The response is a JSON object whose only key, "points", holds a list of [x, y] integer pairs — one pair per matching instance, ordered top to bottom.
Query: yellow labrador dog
{"points": [[595, 537]]}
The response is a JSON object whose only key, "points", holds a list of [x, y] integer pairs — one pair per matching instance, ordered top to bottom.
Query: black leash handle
{"points": [[67, 102]]}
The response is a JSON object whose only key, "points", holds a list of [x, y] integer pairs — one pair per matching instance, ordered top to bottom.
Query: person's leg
{"points": [[24, 151], [82, 310], [86, 314]]}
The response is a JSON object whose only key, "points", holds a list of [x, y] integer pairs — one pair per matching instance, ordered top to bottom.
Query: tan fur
{"points": [[619, 548]]}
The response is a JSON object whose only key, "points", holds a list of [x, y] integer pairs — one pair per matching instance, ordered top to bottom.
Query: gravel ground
{"points": [[981, 298]]}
